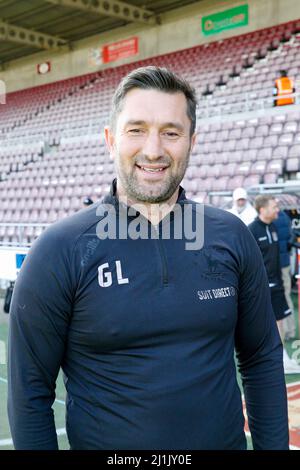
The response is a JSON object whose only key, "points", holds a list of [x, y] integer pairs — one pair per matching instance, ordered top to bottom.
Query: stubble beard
{"points": [[164, 191]]}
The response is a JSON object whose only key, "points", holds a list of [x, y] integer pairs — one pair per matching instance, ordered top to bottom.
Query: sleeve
{"points": [[292, 238], [281, 247], [39, 318], [260, 354]]}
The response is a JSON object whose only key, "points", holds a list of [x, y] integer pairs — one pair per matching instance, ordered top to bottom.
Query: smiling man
{"points": [[150, 137], [151, 149], [143, 327]]}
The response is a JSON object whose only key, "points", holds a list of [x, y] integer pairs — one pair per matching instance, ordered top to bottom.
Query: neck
{"points": [[240, 208], [154, 212], [265, 220]]}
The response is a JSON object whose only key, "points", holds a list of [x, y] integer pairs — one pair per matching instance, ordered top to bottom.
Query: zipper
{"points": [[269, 235], [165, 274]]}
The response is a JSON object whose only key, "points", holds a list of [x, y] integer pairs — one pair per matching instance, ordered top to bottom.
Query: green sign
{"points": [[228, 19]]}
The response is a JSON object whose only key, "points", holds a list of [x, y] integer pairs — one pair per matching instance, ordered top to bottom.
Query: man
{"points": [[284, 87], [242, 207], [265, 233], [286, 241], [144, 327]]}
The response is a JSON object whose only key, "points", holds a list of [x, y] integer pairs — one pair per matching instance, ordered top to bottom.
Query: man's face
{"points": [[150, 144], [240, 204], [271, 211]]}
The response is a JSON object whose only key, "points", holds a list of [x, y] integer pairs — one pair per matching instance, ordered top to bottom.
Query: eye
{"points": [[135, 131], [171, 134]]}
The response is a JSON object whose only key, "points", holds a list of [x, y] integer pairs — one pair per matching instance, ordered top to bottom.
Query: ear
{"points": [[109, 140], [193, 141]]}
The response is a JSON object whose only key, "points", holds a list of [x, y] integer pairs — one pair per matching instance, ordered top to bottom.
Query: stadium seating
{"points": [[52, 152]]}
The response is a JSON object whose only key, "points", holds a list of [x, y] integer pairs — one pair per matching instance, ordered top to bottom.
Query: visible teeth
{"points": [[152, 170]]}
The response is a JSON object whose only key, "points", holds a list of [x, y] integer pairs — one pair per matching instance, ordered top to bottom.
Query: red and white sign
{"points": [[120, 50], [43, 68]]}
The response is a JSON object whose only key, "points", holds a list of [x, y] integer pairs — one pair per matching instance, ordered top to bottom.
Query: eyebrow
{"points": [[175, 125]]}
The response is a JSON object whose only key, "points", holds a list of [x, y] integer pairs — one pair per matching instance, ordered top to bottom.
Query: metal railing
{"points": [[208, 107], [290, 188], [22, 235]]}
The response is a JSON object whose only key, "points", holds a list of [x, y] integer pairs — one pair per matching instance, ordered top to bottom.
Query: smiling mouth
{"points": [[149, 169]]}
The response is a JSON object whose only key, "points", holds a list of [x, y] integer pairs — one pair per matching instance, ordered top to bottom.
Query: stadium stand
{"points": [[52, 153]]}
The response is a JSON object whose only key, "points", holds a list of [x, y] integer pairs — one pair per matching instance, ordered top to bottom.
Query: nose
{"points": [[152, 148]]}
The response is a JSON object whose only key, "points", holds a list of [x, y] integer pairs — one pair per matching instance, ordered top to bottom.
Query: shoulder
{"points": [[251, 209], [232, 210], [226, 216], [220, 218], [254, 226], [228, 232], [63, 234]]}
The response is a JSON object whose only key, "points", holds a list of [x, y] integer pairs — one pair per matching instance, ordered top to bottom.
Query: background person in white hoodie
{"points": [[241, 206]]}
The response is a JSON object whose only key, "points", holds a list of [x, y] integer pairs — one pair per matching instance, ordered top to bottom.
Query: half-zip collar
{"points": [[112, 198], [122, 210], [267, 228]]}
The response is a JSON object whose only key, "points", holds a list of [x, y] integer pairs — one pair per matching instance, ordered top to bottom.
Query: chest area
{"points": [[267, 239], [155, 290]]}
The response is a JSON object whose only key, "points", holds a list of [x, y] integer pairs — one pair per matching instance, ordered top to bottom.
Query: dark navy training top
{"points": [[283, 225], [266, 237], [145, 332]]}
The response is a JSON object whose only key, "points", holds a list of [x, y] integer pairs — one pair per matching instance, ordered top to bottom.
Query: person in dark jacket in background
{"points": [[266, 236], [285, 239], [143, 317]]}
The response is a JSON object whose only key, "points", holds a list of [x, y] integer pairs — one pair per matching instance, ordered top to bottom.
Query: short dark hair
{"points": [[156, 78], [262, 200]]}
